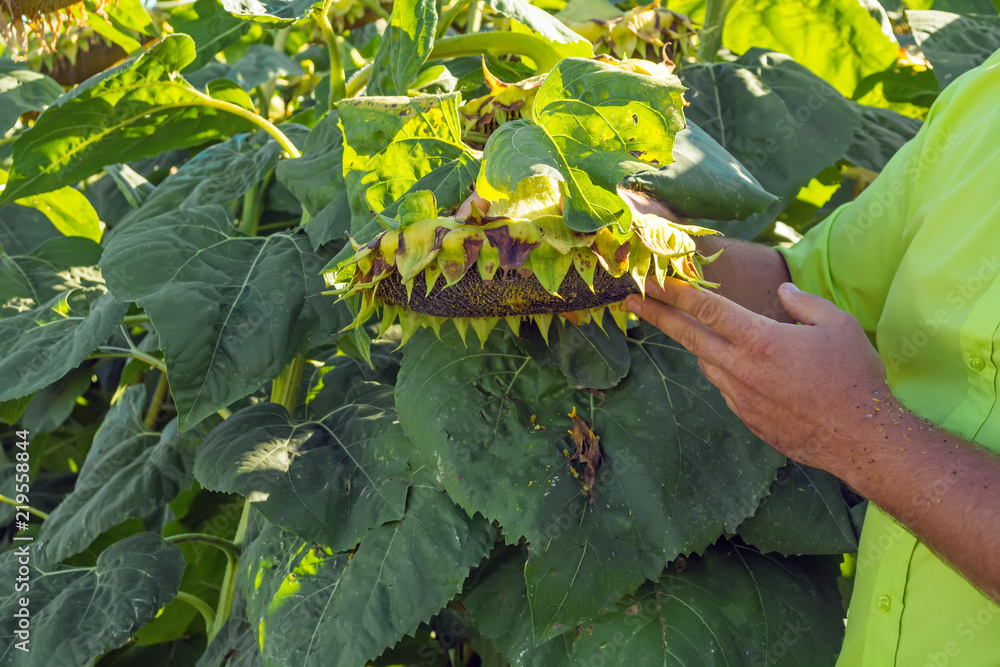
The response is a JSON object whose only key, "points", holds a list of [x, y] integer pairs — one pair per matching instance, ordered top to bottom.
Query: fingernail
{"points": [[789, 287], [632, 304]]}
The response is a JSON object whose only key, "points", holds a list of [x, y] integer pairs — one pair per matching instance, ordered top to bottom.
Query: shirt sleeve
{"points": [[851, 256]]}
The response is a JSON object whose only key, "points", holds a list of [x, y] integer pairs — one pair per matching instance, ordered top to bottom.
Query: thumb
{"points": [[807, 308]]}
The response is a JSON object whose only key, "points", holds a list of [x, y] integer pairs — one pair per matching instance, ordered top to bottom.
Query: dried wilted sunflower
{"points": [[47, 19], [521, 262]]}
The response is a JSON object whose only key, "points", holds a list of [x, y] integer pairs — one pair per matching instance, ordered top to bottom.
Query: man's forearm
{"points": [[747, 273], [944, 490]]}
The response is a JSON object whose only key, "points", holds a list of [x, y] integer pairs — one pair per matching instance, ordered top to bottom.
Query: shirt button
{"points": [[976, 363], [884, 603]]}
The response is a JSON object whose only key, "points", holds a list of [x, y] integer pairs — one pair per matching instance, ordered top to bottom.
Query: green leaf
{"points": [[277, 13], [537, 19], [210, 26], [836, 39], [952, 43], [405, 46], [262, 64], [906, 89], [22, 90], [135, 110], [630, 118], [781, 121], [879, 136], [395, 145], [217, 175], [316, 178], [704, 180], [132, 185], [68, 211], [23, 229], [57, 268], [230, 310], [55, 313], [589, 357], [52, 405], [680, 469], [129, 472], [328, 479], [805, 513], [299, 594], [732, 606], [79, 613]]}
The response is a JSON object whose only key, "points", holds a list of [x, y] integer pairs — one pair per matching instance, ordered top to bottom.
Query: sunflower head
{"points": [[45, 19], [519, 263]]}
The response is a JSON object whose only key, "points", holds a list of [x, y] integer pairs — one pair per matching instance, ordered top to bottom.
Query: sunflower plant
{"points": [[245, 420]]}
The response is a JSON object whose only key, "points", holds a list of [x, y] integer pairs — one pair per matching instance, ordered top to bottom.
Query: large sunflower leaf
{"points": [[836, 39], [953, 43], [405, 46], [23, 90], [141, 108], [778, 119], [592, 124], [881, 133], [394, 145], [217, 175], [704, 180], [22, 229], [54, 308], [230, 310], [679, 468], [129, 472], [328, 480], [805, 513], [299, 594], [731, 606], [79, 613]]}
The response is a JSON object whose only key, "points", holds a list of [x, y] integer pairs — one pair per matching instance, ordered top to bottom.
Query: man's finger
{"points": [[807, 308], [720, 314], [689, 332]]}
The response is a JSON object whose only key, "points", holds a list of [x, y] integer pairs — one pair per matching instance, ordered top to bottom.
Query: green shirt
{"points": [[916, 259]]}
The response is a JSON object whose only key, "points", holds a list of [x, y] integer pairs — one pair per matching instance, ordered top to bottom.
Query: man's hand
{"points": [[796, 387]]}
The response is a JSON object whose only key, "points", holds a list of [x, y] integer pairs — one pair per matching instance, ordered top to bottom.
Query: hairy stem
{"points": [[449, 17], [711, 34], [497, 43], [338, 87], [259, 121], [132, 320], [117, 353], [156, 403], [231, 548], [199, 604]]}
